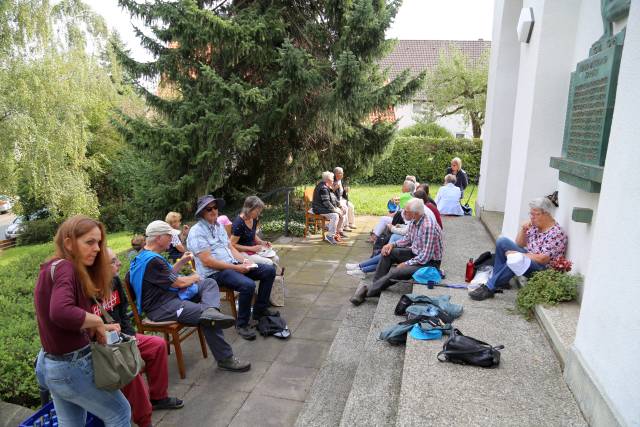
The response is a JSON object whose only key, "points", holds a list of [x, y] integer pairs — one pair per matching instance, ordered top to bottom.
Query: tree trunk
{"points": [[476, 125]]}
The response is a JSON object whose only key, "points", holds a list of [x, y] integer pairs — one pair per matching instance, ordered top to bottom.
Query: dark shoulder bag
{"points": [[465, 350]]}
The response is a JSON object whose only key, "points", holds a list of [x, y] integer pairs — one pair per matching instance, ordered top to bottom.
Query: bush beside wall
{"points": [[426, 158]]}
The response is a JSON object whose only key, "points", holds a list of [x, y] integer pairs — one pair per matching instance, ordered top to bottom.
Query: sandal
{"points": [[167, 403]]}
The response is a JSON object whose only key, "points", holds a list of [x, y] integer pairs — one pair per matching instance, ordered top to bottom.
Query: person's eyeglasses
{"points": [[211, 208], [114, 261]]}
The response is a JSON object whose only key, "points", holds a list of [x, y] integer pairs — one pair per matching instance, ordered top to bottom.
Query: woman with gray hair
{"points": [[448, 197], [244, 235], [539, 241]]}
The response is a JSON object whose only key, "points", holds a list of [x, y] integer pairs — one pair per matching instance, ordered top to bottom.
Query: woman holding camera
{"points": [[79, 270]]}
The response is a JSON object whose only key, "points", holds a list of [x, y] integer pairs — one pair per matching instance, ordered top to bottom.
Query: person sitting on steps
{"points": [[540, 239], [422, 246]]}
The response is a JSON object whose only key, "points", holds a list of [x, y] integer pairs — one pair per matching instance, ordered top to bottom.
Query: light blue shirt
{"points": [[448, 200], [205, 237]]}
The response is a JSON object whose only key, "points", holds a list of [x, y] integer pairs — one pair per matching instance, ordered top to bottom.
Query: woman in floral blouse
{"points": [[540, 239]]}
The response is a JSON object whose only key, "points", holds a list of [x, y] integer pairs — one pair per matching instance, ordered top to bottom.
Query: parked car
{"points": [[5, 204], [17, 225], [15, 228]]}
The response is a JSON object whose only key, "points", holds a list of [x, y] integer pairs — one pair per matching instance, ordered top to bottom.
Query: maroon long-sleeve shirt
{"points": [[61, 307]]}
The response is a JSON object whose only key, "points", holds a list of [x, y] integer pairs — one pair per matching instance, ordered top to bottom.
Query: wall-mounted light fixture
{"points": [[525, 24]]}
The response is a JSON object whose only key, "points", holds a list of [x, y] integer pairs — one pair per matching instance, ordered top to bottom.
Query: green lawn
{"points": [[372, 199], [119, 242]]}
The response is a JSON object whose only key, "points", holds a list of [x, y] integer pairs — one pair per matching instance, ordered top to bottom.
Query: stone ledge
{"points": [[593, 403]]}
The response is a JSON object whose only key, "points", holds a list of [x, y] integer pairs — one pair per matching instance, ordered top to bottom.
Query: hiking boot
{"points": [[330, 239], [349, 266], [357, 273], [481, 293], [360, 295], [257, 314], [212, 317], [246, 333], [233, 364], [167, 403]]}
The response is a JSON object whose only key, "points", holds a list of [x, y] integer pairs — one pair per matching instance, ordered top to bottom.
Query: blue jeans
{"points": [[370, 265], [501, 272], [244, 284], [74, 393]]}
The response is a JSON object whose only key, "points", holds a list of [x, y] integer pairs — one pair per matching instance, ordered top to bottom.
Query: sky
{"points": [[417, 20]]}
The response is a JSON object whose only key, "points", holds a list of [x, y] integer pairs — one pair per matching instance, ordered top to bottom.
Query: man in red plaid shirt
{"points": [[421, 246]]}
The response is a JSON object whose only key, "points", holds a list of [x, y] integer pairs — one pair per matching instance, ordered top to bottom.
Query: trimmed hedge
{"points": [[426, 158]]}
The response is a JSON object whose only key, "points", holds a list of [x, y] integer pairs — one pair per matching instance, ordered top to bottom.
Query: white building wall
{"points": [[543, 84], [501, 96], [608, 334]]}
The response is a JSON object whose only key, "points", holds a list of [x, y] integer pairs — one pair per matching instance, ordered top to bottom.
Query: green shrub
{"points": [[428, 130], [427, 159], [273, 218], [38, 231], [547, 287]]}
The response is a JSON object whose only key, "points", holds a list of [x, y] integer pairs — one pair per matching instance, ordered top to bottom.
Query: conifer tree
{"points": [[262, 93]]}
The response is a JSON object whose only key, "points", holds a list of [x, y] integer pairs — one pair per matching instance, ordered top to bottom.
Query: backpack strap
{"points": [[53, 267], [107, 317]]}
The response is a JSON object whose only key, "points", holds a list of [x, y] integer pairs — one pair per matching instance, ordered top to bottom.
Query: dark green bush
{"points": [[429, 130], [427, 159], [38, 231], [19, 343]]}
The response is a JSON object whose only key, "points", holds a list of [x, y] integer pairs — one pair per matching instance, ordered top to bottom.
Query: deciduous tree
{"points": [[458, 85]]}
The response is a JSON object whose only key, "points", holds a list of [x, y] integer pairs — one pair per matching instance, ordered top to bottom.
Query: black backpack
{"points": [[273, 325], [464, 350]]}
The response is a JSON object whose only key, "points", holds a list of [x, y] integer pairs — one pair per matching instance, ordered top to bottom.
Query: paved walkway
{"points": [[273, 392]]}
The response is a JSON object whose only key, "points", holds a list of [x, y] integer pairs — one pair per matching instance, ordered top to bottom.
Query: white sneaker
{"points": [[352, 266], [357, 273]]}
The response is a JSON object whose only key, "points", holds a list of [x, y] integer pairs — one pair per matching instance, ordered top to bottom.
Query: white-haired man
{"points": [[342, 193], [326, 204], [421, 246]]}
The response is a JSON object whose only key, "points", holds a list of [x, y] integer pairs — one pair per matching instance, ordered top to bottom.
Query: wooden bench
{"points": [[309, 217], [174, 332]]}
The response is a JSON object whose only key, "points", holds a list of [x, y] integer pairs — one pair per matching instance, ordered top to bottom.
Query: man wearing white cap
{"points": [[166, 296]]}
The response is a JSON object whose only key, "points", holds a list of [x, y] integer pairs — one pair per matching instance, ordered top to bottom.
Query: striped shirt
{"points": [[425, 239]]}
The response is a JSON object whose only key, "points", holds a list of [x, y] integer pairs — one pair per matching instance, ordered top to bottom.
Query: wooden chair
{"points": [[309, 217], [174, 332]]}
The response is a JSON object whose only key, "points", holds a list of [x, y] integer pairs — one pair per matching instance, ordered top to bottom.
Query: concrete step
{"points": [[527, 389], [330, 390], [373, 400], [12, 415]]}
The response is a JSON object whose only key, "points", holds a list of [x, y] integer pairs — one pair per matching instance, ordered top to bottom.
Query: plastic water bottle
{"points": [[468, 275]]}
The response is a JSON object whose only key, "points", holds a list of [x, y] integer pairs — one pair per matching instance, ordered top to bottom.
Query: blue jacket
{"points": [[440, 301]]}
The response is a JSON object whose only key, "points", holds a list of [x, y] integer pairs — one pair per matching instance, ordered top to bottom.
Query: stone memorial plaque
{"points": [[592, 95], [588, 122]]}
